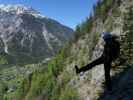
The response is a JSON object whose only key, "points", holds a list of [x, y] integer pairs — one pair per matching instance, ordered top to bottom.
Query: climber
{"points": [[110, 53]]}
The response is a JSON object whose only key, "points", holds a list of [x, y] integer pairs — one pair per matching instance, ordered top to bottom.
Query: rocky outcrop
{"points": [[90, 84]]}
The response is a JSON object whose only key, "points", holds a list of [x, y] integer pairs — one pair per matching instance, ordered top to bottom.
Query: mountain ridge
{"points": [[24, 31]]}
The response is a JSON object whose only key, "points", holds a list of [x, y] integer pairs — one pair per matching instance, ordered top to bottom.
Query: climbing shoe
{"points": [[77, 69]]}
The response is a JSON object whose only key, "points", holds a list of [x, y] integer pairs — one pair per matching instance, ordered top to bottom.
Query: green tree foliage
{"points": [[102, 8], [100, 11], [86, 25], [83, 28], [77, 33], [3, 58], [43, 83]]}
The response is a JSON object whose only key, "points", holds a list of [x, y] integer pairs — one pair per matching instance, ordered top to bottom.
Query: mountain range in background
{"points": [[26, 34]]}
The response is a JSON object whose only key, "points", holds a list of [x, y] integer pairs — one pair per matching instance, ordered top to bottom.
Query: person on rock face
{"points": [[110, 53]]}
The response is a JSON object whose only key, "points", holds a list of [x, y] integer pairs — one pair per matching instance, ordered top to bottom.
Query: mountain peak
{"points": [[9, 7], [19, 9]]}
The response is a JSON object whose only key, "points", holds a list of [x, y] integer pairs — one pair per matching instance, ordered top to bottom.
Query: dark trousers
{"points": [[107, 67]]}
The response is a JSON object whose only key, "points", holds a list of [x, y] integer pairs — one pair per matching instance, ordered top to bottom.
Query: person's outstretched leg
{"points": [[98, 61], [107, 66]]}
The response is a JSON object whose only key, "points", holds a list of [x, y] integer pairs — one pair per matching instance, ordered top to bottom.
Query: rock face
{"points": [[25, 32], [90, 84]]}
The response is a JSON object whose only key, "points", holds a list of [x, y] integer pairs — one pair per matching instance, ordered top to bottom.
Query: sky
{"points": [[67, 12]]}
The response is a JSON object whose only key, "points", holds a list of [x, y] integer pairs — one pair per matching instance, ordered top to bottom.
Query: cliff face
{"points": [[90, 84]]}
